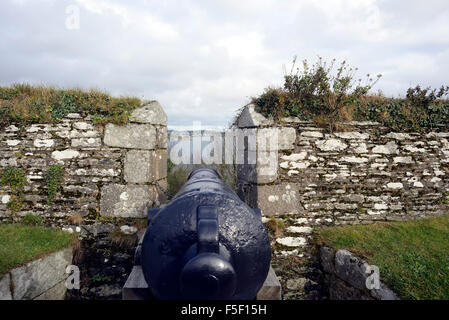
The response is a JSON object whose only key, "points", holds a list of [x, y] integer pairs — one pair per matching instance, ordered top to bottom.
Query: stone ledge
{"points": [[347, 276], [39, 279]]}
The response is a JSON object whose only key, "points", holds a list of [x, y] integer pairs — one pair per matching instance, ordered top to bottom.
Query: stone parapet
{"points": [[94, 158]]}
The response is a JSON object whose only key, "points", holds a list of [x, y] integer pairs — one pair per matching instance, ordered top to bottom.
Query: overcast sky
{"points": [[203, 59]]}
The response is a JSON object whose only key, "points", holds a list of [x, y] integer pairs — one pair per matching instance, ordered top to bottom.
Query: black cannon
{"points": [[205, 244]]}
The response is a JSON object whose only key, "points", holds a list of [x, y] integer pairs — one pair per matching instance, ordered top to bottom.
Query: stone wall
{"points": [[109, 170], [364, 174], [349, 278], [41, 279]]}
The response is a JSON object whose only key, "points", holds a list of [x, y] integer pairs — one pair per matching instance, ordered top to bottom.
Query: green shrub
{"points": [[329, 97], [54, 179], [16, 180], [32, 220]]}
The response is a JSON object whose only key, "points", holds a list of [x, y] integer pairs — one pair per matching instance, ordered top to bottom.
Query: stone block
{"points": [[151, 112], [249, 118], [131, 136], [162, 137], [287, 138], [86, 142], [331, 145], [159, 165], [137, 166], [278, 199], [126, 200], [327, 258], [351, 269], [38, 276], [5, 288], [339, 290], [384, 293]]}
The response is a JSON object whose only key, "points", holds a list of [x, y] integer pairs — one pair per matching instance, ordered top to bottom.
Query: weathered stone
{"points": [[151, 112], [249, 118], [83, 126], [312, 134], [352, 135], [132, 136], [399, 136], [162, 137], [287, 138], [86, 142], [13, 143], [44, 143], [331, 145], [361, 148], [388, 148], [414, 149], [65, 154], [295, 156], [354, 159], [402, 160], [299, 165], [137, 166], [158, 168], [395, 185], [5, 199], [278, 199], [126, 200], [295, 229], [128, 230], [292, 241], [327, 258], [351, 269], [40, 275], [5, 288], [339, 290], [383, 293]]}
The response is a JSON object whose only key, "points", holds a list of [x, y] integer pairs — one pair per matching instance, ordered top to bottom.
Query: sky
{"points": [[205, 59]]}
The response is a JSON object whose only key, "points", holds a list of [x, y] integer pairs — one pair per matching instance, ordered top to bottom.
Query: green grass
{"points": [[23, 104], [20, 244], [413, 256]]}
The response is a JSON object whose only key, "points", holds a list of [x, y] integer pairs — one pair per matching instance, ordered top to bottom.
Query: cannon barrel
{"points": [[205, 244]]}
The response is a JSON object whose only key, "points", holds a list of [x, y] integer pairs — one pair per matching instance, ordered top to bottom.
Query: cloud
{"points": [[204, 59]]}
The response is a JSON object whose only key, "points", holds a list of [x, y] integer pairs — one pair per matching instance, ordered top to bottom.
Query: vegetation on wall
{"points": [[330, 96], [25, 104], [54, 178], [15, 179]]}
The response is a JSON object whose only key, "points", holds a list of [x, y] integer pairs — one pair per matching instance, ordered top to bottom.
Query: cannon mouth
{"points": [[204, 170], [208, 276]]}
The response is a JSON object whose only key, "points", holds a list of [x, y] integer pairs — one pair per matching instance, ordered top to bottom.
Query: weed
{"points": [[54, 179], [16, 180], [32, 220]]}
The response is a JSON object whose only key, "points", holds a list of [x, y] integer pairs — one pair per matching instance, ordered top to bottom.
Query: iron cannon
{"points": [[205, 243]]}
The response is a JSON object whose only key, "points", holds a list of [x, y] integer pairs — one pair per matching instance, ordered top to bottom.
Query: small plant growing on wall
{"points": [[15, 179], [54, 179], [32, 220]]}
